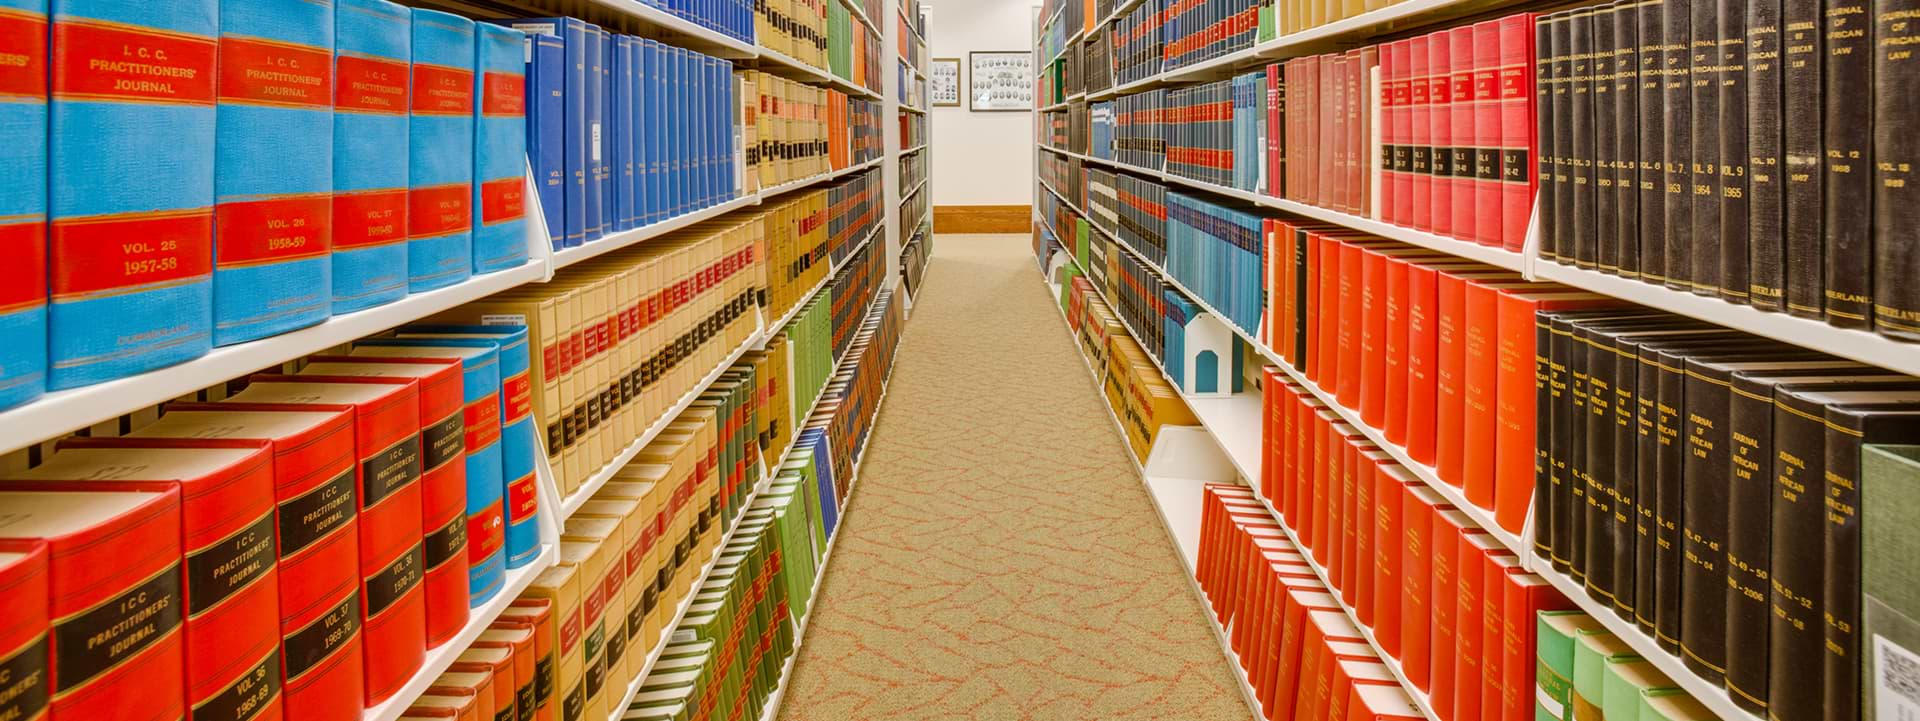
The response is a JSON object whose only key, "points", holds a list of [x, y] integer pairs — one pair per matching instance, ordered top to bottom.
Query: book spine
{"points": [[1847, 78], [1730, 79], [1439, 80], [1543, 81], [593, 82], [1704, 103], [1464, 108], [1418, 123], [546, 131], [1487, 133], [620, 135], [1626, 137], [1651, 143], [1801, 146], [499, 149], [1677, 153], [440, 157], [1580, 157], [273, 170], [1518, 179], [1606, 197], [1766, 205], [369, 207], [1895, 218], [1565, 220], [23, 235], [113, 256], [1422, 363], [1449, 377], [1545, 400], [1478, 404], [1847, 431], [1512, 449], [519, 450], [1596, 463], [1561, 483], [1579, 484], [443, 488], [1627, 492], [1749, 498], [1704, 519], [1647, 529], [317, 534], [392, 561], [486, 561], [24, 587], [232, 593], [1794, 634], [120, 636]]}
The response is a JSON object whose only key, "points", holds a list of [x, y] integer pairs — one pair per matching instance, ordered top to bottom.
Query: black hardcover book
{"points": [[1676, 20], [1543, 66], [1731, 79], [1626, 136], [1652, 143], [1800, 147], [1896, 153], [1848, 194], [1766, 206], [1606, 214], [1565, 219], [1586, 247], [1704, 275], [1545, 396], [1892, 418], [1750, 426], [1598, 472], [1570, 498], [1795, 582]]}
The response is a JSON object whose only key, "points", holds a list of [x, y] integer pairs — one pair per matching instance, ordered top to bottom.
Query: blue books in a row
{"points": [[732, 18], [624, 131], [215, 173]]}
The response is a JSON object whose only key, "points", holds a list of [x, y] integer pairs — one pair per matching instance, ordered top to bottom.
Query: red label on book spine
{"points": [[23, 43], [113, 62], [267, 72], [370, 85], [442, 91], [505, 95], [502, 199], [439, 210], [369, 218], [272, 230], [136, 249], [23, 278]]}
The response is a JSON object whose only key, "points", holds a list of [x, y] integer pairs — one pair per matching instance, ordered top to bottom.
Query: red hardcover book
{"points": [[1393, 62], [1331, 94], [1420, 129], [1440, 132], [1486, 133], [1462, 135], [1276, 147], [1360, 168], [1519, 173], [1344, 288], [1377, 312], [1424, 325], [1457, 334], [1393, 372], [1477, 377], [1515, 397], [1305, 424], [387, 445], [1270, 445], [443, 477], [1390, 488], [1364, 521], [1450, 529], [317, 536], [114, 583], [231, 586], [1524, 596], [1418, 604], [1493, 609], [537, 614], [23, 629], [1330, 638], [496, 661], [1468, 661], [1282, 685], [470, 686], [1381, 703]]}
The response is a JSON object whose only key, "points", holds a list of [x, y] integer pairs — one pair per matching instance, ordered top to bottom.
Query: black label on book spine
{"points": [[443, 442], [386, 472], [311, 516], [446, 544], [220, 570], [394, 582], [319, 640], [26, 690], [247, 696]]}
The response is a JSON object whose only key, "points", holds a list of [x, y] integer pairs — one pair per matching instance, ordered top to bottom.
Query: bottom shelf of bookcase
{"points": [[478, 618]]}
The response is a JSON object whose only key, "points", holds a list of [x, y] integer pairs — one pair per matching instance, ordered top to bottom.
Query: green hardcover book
{"points": [[1890, 573], [1556, 633], [1593, 651], [1628, 678], [1671, 704]]}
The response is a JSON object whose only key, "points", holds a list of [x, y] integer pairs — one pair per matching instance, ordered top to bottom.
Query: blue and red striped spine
{"points": [[373, 45], [499, 149], [440, 152], [130, 153], [273, 169], [23, 208]]}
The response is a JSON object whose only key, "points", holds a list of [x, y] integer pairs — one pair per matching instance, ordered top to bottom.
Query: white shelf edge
{"points": [[664, 20], [815, 74], [910, 109], [914, 149], [904, 197], [615, 241], [60, 412], [440, 657]]}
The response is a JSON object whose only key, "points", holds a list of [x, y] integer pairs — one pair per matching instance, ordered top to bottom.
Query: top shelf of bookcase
{"points": [[1395, 18]]}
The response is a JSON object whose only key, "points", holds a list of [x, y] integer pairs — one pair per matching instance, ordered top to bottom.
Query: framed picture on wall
{"points": [[1000, 81], [943, 82]]}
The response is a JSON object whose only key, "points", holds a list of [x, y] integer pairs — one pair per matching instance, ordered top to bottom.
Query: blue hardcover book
{"points": [[373, 45], [572, 85], [637, 96], [719, 130], [546, 131], [696, 131], [623, 132], [683, 132], [672, 144], [499, 149], [440, 152], [596, 168], [273, 169], [130, 204], [23, 208], [607, 209], [480, 384], [816, 441], [518, 447]]}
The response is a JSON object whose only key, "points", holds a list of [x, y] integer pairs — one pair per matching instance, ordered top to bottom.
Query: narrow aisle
{"points": [[1001, 560]]}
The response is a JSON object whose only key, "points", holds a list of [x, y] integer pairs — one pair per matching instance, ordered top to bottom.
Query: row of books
{"points": [[732, 18], [795, 28], [1138, 43], [912, 47], [853, 54], [1096, 63], [912, 88], [913, 130], [625, 131], [795, 131], [1216, 132], [913, 170], [1726, 172], [233, 220], [914, 257], [852, 294], [1136, 391], [399, 475], [1739, 544], [1458, 622], [1583, 666], [498, 676]]}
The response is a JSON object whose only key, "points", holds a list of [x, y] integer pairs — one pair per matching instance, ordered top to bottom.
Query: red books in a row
{"points": [[1441, 595], [498, 676]]}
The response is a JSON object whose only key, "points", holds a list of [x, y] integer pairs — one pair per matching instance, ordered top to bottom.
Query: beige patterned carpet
{"points": [[1001, 560]]}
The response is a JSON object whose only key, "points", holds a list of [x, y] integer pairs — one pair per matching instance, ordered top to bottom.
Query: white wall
{"points": [[980, 158]]}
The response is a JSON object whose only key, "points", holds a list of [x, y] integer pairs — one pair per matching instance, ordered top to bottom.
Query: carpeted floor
{"points": [[1001, 560]]}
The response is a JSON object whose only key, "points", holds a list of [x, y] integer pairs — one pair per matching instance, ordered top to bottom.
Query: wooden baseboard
{"points": [[982, 218]]}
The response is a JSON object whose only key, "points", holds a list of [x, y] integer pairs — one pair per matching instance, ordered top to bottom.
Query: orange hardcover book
{"points": [[1426, 326], [1456, 335], [1516, 400], [443, 476], [1391, 487], [1450, 529], [317, 538], [115, 582], [231, 585], [1523, 597], [1418, 600], [536, 618], [23, 629], [1329, 638], [518, 639], [496, 662], [1473, 662], [1288, 674], [473, 686], [1381, 703]]}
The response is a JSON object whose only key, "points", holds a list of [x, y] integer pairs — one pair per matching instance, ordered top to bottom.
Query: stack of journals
{"points": [[795, 28], [795, 127], [1582, 666], [498, 676]]}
